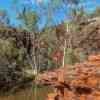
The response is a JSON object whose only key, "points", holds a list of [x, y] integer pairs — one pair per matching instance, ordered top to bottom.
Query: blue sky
{"points": [[57, 16]]}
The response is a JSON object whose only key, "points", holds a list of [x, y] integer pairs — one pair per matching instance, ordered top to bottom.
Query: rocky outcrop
{"points": [[88, 37], [78, 82]]}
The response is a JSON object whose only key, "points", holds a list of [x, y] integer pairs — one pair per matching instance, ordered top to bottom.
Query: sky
{"points": [[58, 15]]}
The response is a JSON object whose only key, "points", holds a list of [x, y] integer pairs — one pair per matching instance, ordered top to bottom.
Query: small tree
{"points": [[28, 20]]}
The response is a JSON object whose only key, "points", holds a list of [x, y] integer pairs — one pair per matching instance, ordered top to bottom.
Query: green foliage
{"points": [[28, 19], [29, 23], [47, 37], [6, 47], [12, 54], [73, 56], [70, 57], [13, 62]]}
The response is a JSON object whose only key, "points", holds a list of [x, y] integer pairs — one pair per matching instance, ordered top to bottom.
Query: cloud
{"points": [[39, 1]]}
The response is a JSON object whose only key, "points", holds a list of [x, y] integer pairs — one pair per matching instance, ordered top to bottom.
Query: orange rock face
{"points": [[94, 58], [78, 82]]}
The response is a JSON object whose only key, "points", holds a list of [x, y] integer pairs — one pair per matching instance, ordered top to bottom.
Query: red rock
{"points": [[86, 75]]}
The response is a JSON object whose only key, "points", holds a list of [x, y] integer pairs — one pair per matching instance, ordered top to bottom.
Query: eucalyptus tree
{"points": [[28, 19]]}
